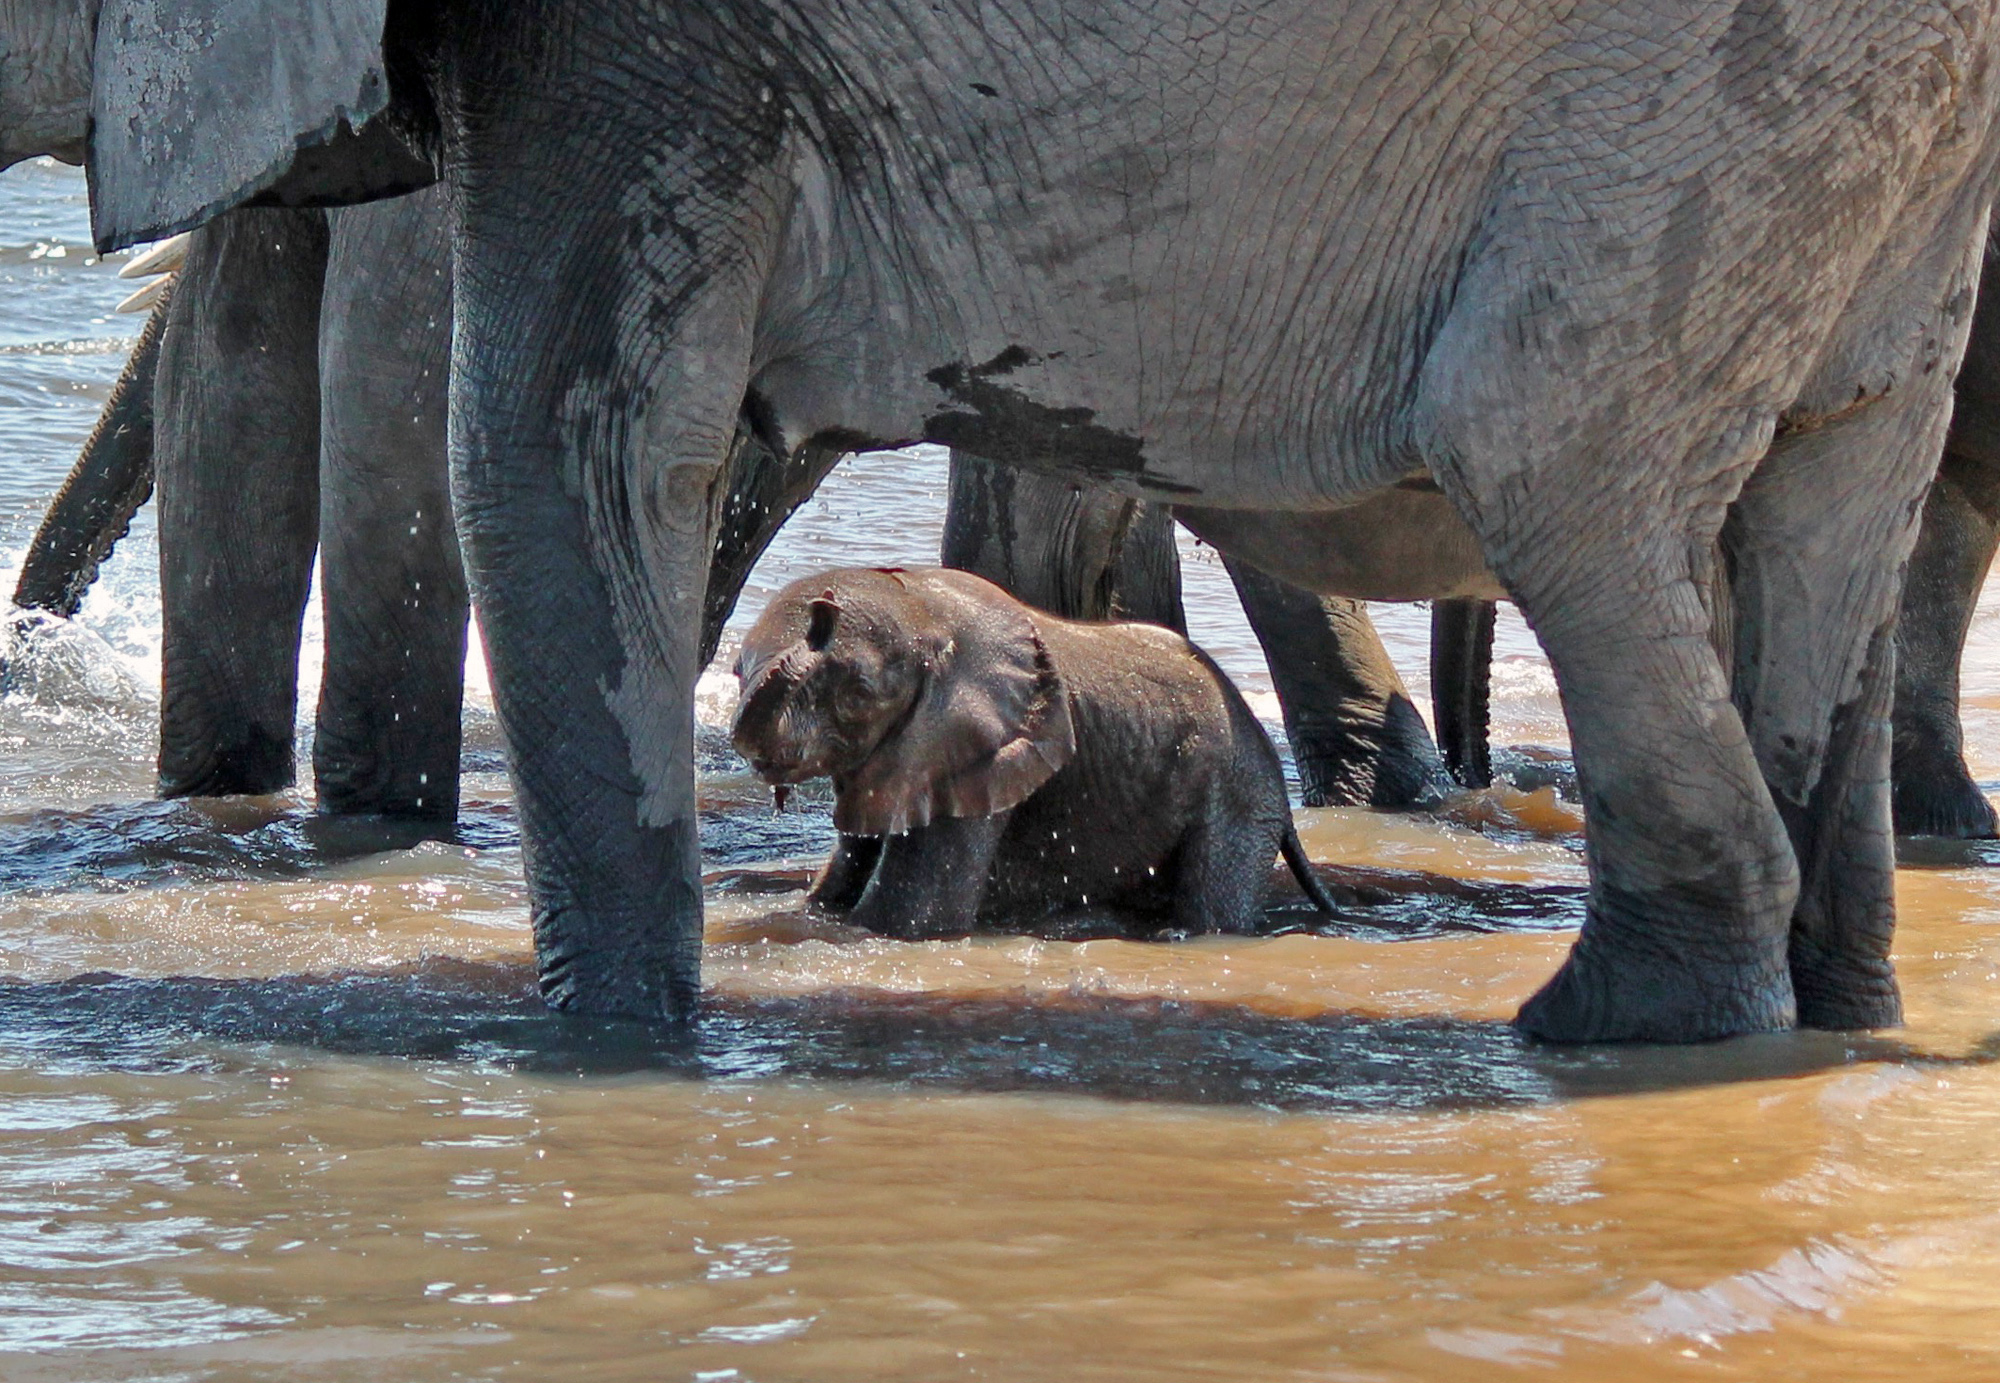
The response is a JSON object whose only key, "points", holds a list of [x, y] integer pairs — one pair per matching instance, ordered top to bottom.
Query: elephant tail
{"points": [[111, 479], [1295, 856]]}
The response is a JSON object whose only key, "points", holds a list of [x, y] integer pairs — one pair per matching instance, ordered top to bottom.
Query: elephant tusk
{"points": [[163, 258], [145, 298]]}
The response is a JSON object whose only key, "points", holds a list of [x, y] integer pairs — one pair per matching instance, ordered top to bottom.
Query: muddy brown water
{"points": [[277, 1101]]}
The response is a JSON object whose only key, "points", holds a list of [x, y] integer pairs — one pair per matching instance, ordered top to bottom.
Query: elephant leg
{"points": [[602, 361], [236, 443], [112, 477], [765, 489], [1074, 551], [1815, 572], [393, 586], [1461, 686], [1356, 736], [1934, 794], [1221, 874], [1692, 875], [845, 876], [1692, 878], [929, 881]]}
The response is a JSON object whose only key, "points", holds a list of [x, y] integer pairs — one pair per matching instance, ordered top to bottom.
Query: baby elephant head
{"points": [[921, 694]]}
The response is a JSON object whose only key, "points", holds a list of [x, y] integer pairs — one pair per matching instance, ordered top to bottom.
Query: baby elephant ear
{"points": [[821, 616], [991, 725]]}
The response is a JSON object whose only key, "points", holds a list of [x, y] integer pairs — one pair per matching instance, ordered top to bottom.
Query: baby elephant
{"points": [[992, 763]]}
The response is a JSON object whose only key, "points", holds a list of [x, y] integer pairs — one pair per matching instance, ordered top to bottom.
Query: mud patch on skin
{"points": [[1005, 426]]}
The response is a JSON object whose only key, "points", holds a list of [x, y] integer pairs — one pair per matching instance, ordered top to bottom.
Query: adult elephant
{"points": [[1609, 276], [287, 398]]}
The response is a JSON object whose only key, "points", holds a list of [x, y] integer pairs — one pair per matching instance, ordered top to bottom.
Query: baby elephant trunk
{"points": [[759, 732], [1295, 856]]}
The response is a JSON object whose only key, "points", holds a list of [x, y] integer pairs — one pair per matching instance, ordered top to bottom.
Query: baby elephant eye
{"points": [[850, 698]]}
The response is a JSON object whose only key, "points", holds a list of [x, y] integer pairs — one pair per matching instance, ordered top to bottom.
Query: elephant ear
{"points": [[199, 105], [991, 725]]}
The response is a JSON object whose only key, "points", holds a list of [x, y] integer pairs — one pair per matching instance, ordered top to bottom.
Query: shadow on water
{"points": [[132, 845], [126, 846], [1945, 852], [1408, 904], [1375, 905], [1195, 1053]]}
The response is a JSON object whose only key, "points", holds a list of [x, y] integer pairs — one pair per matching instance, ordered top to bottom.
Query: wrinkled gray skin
{"points": [[1279, 259], [1087, 553], [993, 763], [1933, 790]]}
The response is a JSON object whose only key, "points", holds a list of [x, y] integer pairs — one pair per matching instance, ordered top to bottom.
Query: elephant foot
{"points": [[257, 762], [1942, 801], [904, 926], [641, 961], [645, 988], [1844, 993], [1616, 994]]}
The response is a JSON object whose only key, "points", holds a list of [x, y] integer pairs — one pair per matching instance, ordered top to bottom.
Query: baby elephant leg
{"points": [[847, 872], [1222, 873], [929, 881]]}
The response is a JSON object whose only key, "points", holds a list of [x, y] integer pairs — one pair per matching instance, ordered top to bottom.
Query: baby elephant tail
{"points": [[1295, 856]]}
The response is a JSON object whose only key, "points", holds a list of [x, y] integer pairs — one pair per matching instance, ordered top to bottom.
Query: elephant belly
{"points": [[1154, 265], [1400, 543]]}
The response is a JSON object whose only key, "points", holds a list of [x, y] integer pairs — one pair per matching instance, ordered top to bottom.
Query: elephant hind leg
{"points": [[236, 446], [1814, 579], [388, 727], [1356, 735], [1934, 794], [1220, 872], [1692, 875]]}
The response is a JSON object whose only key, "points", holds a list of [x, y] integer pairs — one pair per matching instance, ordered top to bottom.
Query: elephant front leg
{"points": [[599, 366], [236, 447], [1815, 581], [394, 590], [590, 603], [1934, 794], [841, 881], [929, 881]]}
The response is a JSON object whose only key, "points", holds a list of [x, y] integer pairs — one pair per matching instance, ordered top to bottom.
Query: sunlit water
{"points": [[278, 1102]]}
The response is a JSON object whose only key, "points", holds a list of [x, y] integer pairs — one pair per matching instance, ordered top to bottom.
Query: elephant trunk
{"points": [[112, 477], [765, 488], [1461, 686]]}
